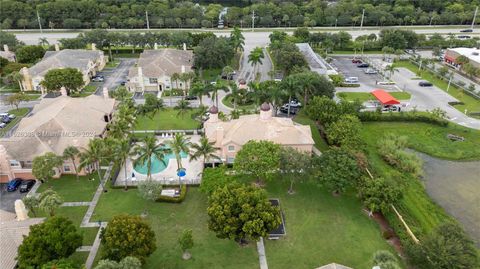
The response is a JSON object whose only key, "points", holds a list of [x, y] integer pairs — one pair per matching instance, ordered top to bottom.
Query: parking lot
{"points": [[114, 76], [367, 82], [7, 199]]}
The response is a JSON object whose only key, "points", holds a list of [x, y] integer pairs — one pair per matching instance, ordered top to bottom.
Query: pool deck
{"points": [[169, 175]]}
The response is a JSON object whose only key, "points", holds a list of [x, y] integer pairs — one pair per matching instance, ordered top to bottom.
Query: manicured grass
{"points": [[211, 74], [86, 91], [365, 96], [228, 101], [471, 104], [19, 113], [167, 119], [320, 143], [71, 189], [416, 207], [74, 213], [168, 221], [322, 229], [89, 235], [79, 257]]}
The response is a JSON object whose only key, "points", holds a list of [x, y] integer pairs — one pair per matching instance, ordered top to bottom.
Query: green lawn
{"points": [[211, 74], [86, 91], [366, 96], [228, 101], [471, 104], [19, 113], [167, 119], [320, 143], [71, 189], [416, 207], [74, 213], [168, 221], [322, 229], [89, 235], [79, 257]]}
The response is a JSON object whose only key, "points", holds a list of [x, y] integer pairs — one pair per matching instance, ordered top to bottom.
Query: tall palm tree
{"points": [[237, 39], [43, 41], [255, 57], [391, 69], [18, 77], [175, 77], [291, 87], [198, 89], [213, 89], [257, 93], [235, 94], [182, 106], [118, 128], [180, 143], [147, 149], [204, 149], [122, 152], [71, 153], [92, 156], [50, 201]]}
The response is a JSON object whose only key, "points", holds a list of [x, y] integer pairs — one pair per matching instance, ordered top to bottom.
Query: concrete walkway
{"points": [[76, 204], [95, 247], [261, 254]]}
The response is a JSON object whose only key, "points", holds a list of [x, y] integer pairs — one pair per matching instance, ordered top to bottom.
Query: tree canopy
{"points": [[213, 52], [29, 54], [70, 78], [259, 159]]}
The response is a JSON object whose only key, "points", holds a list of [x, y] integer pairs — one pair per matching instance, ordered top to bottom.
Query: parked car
{"points": [[466, 30], [464, 37], [409, 51], [356, 61], [363, 65], [370, 71], [98, 79], [351, 80], [123, 83], [425, 84], [191, 97], [294, 103], [388, 108], [284, 109], [11, 116], [5, 119], [2, 125], [14, 184], [26, 185]]}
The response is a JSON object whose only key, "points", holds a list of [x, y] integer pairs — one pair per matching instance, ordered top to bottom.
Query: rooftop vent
{"points": [[475, 53]]}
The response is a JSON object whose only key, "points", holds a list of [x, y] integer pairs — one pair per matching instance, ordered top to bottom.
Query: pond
{"points": [[455, 185]]}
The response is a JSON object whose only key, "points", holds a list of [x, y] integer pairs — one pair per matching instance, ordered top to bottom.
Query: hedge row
{"points": [[402, 116], [179, 199]]}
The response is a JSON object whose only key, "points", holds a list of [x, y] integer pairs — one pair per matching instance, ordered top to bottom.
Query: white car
{"points": [[370, 71], [351, 80], [11, 116], [2, 125]]}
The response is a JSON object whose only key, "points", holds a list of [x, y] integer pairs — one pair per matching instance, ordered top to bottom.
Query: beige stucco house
{"points": [[7, 54], [88, 62], [154, 70], [53, 125], [230, 136]]}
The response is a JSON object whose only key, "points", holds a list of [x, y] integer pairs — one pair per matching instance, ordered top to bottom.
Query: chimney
{"points": [[94, 46], [155, 46], [184, 46], [57, 47], [5, 48], [183, 68], [140, 78], [27, 79], [63, 91], [105, 93], [265, 113], [213, 114], [219, 136], [5, 163]]}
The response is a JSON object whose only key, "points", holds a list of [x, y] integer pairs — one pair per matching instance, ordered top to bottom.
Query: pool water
{"points": [[157, 165]]}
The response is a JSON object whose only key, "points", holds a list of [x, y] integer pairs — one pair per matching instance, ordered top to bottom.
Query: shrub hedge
{"points": [[402, 116], [168, 199]]}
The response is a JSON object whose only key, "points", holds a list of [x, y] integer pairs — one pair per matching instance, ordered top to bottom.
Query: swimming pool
{"points": [[157, 165]]}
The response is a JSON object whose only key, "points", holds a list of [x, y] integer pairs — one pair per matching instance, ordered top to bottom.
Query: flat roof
{"points": [[471, 53], [384, 97]]}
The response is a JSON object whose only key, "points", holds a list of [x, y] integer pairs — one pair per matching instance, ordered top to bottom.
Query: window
{"points": [[153, 80], [231, 148], [230, 160], [14, 163], [66, 168]]}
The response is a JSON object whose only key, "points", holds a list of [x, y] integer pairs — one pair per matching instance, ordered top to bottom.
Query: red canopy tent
{"points": [[384, 97]]}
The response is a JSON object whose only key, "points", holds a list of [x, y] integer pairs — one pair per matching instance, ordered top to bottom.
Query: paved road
{"points": [[257, 38], [344, 65], [113, 77], [428, 98], [7, 199]]}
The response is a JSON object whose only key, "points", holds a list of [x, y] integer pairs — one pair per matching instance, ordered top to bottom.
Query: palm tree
{"points": [[237, 38], [43, 41], [255, 57], [391, 69], [227, 70], [18, 77], [175, 77], [218, 86], [291, 87], [198, 89], [257, 93], [235, 94], [182, 106], [234, 114], [118, 129], [179, 144], [147, 149], [204, 149], [122, 152], [71, 153], [93, 155], [50, 201], [31, 202]]}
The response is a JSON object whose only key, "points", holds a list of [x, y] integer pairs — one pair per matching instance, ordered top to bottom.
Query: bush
{"points": [[402, 116], [391, 148], [214, 178], [150, 190], [168, 199]]}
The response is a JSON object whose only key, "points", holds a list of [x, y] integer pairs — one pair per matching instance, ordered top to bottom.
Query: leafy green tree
{"points": [[302, 34], [9, 39], [237, 39], [213, 52], [29, 54], [70, 78], [16, 99], [151, 106], [183, 106], [326, 111], [345, 132], [178, 145], [122, 150], [146, 150], [205, 150], [71, 153], [259, 159], [294, 165], [43, 166], [338, 170], [214, 178], [150, 190], [378, 194], [50, 201], [31, 202], [240, 213], [128, 235], [56, 238], [185, 241], [446, 247], [125, 263], [60, 264]]}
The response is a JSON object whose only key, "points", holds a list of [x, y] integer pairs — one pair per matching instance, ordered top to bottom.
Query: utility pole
{"points": [[363, 16], [474, 17], [253, 20], [39, 23], [148, 23]]}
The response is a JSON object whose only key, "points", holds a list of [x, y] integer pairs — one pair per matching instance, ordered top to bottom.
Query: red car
{"points": [[356, 61]]}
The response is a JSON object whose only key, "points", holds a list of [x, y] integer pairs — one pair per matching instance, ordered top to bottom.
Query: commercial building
{"points": [[451, 56]]}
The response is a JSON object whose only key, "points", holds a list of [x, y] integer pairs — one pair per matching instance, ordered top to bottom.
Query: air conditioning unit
{"points": [[475, 53]]}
